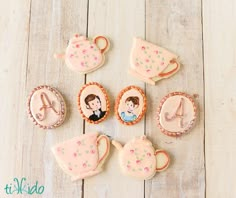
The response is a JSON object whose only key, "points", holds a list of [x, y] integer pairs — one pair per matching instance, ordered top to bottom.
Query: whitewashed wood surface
{"points": [[202, 33]]}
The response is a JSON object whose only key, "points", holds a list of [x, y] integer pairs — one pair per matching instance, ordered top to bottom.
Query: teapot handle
{"points": [[97, 38], [173, 61], [107, 147], [162, 158]]}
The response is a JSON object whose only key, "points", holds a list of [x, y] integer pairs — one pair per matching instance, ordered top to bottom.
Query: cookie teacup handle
{"points": [[96, 40], [172, 61], [103, 144], [163, 160]]}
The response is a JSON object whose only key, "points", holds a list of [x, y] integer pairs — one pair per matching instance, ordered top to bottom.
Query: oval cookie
{"points": [[93, 103], [130, 105], [46, 107], [177, 114]]}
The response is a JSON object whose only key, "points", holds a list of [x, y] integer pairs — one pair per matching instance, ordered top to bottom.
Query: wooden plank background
{"points": [[202, 33]]}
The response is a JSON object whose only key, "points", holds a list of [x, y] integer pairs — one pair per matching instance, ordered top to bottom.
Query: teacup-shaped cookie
{"points": [[83, 55], [152, 63], [82, 156], [139, 159]]}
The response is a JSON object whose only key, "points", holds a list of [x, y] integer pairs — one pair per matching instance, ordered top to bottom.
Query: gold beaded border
{"points": [[106, 98], [61, 100], [117, 103], [191, 124]]}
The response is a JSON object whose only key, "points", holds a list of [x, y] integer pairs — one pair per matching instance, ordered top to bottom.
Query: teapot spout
{"points": [[117, 145]]}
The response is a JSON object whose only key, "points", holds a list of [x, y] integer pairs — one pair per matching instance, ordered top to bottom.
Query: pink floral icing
{"points": [[83, 55], [148, 59], [78, 155], [138, 159]]}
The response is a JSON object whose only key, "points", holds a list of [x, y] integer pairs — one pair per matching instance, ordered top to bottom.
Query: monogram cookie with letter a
{"points": [[46, 107], [177, 114]]}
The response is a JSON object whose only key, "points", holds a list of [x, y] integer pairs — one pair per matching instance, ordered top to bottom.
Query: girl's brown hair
{"points": [[133, 99]]}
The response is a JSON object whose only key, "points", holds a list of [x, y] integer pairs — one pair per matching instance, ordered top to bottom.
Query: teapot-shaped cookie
{"points": [[84, 55], [82, 156], [139, 159]]}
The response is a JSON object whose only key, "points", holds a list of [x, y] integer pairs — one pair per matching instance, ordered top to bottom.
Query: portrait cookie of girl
{"points": [[93, 103], [132, 103]]}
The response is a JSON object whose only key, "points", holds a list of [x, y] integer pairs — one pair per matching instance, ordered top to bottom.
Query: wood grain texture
{"points": [[119, 21], [52, 23], [14, 24], [176, 25], [32, 31], [220, 84]]}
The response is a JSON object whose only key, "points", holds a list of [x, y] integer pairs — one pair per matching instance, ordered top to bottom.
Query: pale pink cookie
{"points": [[83, 55], [151, 63], [93, 103], [130, 105], [46, 107], [177, 114], [82, 156], [139, 159]]}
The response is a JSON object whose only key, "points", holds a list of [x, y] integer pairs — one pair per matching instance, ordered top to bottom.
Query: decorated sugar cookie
{"points": [[83, 55], [151, 63], [93, 103], [130, 105], [46, 107], [177, 114], [82, 156], [139, 159]]}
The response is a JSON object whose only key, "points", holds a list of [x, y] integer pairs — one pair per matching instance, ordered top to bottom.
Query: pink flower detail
{"points": [[76, 35], [77, 46], [91, 47], [143, 48], [84, 51], [156, 51], [71, 55], [95, 58], [147, 60], [82, 63], [162, 63], [136, 64], [148, 70], [79, 142], [58, 149], [92, 151], [131, 151], [149, 154], [75, 155], [138, 161], [84, 165], [128, 166], [70, 168], [146, 169]]}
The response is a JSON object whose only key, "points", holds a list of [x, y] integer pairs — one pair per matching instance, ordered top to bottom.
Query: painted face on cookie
{"points": [[95, 104], [131, 106]]}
